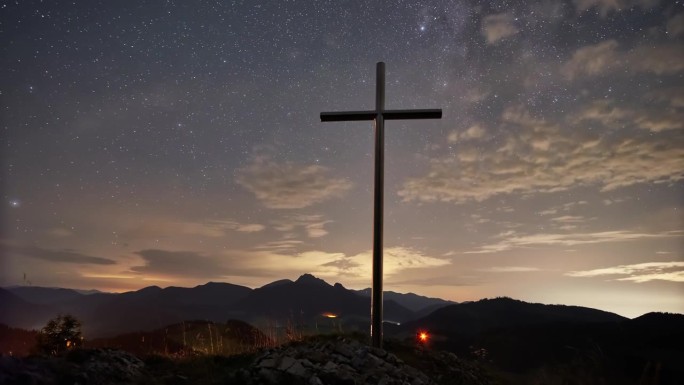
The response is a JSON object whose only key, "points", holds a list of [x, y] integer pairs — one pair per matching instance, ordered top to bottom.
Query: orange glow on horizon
{"points": [[329, 315]]}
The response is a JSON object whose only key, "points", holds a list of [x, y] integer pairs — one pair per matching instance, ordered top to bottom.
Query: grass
{"points": [[200, 370]]}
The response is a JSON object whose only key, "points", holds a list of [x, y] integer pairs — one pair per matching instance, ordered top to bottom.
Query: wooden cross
{"points": [[379, 115]]}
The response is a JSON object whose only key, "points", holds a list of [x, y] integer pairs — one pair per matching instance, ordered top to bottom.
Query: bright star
{"points": [[14, 203]]}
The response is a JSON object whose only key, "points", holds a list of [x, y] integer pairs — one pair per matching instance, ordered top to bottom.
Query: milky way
{"points": [[173, 143]]}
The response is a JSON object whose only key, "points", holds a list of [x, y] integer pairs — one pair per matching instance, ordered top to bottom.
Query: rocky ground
{"points": [[317, 361]]}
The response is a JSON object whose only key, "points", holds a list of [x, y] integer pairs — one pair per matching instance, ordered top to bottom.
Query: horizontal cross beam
{"points": [[386, 114]]}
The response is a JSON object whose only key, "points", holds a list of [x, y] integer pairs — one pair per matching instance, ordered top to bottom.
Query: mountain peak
{"points": [[308, 279]]}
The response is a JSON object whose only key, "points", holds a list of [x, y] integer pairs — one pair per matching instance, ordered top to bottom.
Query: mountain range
{"points": [[301, 301]]}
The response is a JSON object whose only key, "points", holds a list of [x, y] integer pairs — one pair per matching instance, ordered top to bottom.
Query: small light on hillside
{"points": [[329, 315], [423, 337]]}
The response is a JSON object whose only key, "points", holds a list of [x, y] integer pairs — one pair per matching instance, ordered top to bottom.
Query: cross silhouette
{"points": [[379, 115]]}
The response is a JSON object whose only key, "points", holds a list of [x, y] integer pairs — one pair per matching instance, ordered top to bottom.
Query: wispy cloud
{"points": [[604, 7], [675, 25], [498, 27], [605, 58], [612, 115], [475, 131], [537, 156], [287, 185], [564, 207], [569, 219], [314, 224], [153, 227], [59, 232], [571, 239], [280, 246], [58, 255], [396, 259], [165, 263], [328, 264], [510, 269], [640, 272]]}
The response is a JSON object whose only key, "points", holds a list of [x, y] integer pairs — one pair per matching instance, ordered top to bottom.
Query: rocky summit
{"points": [[316, 361], [347, 361]]}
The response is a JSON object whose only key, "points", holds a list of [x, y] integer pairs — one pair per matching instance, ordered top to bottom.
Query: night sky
{"points": [[179, 142]]}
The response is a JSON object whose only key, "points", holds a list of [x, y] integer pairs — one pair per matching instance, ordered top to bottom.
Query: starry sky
{"points": [[179, 142]]}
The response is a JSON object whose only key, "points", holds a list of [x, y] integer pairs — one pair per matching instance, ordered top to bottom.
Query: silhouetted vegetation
{"points": [[61, 334], [17, 342]]}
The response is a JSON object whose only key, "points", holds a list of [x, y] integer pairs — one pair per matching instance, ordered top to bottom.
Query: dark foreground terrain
{"points": [[331, 359], [318, 360]]}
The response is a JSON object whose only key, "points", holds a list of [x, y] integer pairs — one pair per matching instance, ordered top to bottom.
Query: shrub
{"points": [[61, 334]]}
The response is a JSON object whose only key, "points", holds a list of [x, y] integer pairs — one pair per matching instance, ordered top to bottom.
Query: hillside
{"points": [[474, 317], [524, 340]]}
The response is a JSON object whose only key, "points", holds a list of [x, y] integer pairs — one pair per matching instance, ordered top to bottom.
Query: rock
{"points": [[344, 362], [267, 363], [285, 363], [83, 366], [330, 366], [298, 370]]}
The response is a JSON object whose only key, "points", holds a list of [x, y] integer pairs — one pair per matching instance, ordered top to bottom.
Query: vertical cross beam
{"points": [[378, 116], [376, 291]]}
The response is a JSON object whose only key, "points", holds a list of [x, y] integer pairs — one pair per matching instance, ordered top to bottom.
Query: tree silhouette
{"points": [[61, 334]]}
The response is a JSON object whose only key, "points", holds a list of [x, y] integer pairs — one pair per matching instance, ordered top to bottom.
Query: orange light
{"points": [[329, 315], [423, 337]]}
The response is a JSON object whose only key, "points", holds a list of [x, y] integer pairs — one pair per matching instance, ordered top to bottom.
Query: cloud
{"points": [[604, 7], [675, 25], [498, 27], [605, 58], [591, 60], [674, 96], [607, 113], [475, 131], [535, 156], [286, 185], [564, 207], [569, 219], [312, 224], [168, 227], [250, 228], [59, 232], [574, 239], [280, 246], [60, 256], [395, 260], [261, 262], [186, 264], [357, 267], [510, 269], [640, 272], [674, 276]]}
